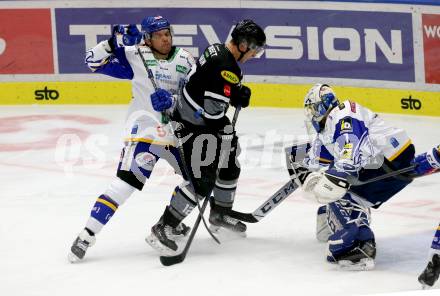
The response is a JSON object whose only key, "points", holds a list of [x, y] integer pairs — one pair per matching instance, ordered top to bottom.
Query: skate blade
{"points": [[225, 233], [180, 236], [159, 247], [73, 258], [363, 265], [425, 286]]}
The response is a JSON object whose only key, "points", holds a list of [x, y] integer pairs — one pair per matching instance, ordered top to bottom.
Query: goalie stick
{"points": [[291, 186], [266, 207], [171, 260]]}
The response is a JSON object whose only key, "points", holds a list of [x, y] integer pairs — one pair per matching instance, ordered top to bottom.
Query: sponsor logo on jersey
{"points": [[151, 63], [181, 69], [161, 76], [230, 77], [227, 90], [46, 94], [411, 103], [346, 125], [347, 151], [145, 160]]}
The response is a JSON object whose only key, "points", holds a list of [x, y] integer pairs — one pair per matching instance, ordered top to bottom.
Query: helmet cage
{"points": [[316, 111]]}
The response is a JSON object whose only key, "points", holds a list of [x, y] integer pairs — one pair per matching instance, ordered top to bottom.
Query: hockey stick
{"points": [[164, 118], [187, 173], [353, 181], [291, 186], [287, 189], [266, 207], [171, 260]]}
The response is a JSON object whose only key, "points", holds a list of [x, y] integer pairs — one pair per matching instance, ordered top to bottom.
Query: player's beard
{"points": [[163, 49]]}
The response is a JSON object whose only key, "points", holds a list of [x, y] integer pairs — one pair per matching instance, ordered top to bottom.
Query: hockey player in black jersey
{"points": [[213, 84]]}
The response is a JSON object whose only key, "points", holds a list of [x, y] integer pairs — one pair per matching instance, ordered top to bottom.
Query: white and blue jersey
{"points": [[143, 124], [358, 142]]}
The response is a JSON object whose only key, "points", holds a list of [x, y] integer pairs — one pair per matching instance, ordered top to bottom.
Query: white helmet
{"points": [[318, 102]]}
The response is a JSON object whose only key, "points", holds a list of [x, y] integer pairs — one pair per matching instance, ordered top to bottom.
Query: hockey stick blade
{"points": [[270, 204], [171, 260], [168, 261]]}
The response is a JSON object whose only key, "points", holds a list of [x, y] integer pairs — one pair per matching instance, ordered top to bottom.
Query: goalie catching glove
{"points": [[325, 186]]}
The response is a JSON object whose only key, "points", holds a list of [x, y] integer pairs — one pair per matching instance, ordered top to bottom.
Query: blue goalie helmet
{"points": [[153, 24], [318, 102]]}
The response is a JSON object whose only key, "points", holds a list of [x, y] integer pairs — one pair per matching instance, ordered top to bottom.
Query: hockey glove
{"points": [[124, 36], [132, 36], [242, 97], [161, 100], [427, 162], [326, 187]]}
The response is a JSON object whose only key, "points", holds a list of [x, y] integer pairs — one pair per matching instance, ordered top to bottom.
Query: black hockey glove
{"points": [[242, 97]]}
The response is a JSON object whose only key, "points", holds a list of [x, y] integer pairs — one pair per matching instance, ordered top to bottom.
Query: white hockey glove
{"points": [[324, 187]]}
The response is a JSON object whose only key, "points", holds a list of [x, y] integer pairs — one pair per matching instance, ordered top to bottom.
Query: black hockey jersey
{"points": [[212, 82]]}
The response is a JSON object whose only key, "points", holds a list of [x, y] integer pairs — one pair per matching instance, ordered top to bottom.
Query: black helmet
{"points": [[249, 31]]}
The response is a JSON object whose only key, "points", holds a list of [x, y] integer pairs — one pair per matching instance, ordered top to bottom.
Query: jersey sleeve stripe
{"points": [[217, 96], [400, 151]]}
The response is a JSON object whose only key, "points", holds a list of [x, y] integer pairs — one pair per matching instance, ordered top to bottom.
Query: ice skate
{"points": [[221, 222], [163, 237], [79, 247], [360, 258], [431, 273]]}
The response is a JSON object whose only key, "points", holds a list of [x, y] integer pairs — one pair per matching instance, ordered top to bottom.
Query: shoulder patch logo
{"points": [[230, 77], [346, 125]]}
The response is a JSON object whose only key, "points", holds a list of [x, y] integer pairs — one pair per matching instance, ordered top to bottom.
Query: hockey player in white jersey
{"points": [[147, 139], [351, 141]]}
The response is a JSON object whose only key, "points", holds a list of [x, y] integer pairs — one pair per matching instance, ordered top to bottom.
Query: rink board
{"points": [[264, 95]]}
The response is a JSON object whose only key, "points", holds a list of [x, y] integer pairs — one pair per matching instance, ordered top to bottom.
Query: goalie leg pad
{"points": [[322, 229], [351, 238]]}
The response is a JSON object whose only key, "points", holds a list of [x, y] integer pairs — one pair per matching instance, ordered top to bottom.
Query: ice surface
{"points": [[46, 194]]}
